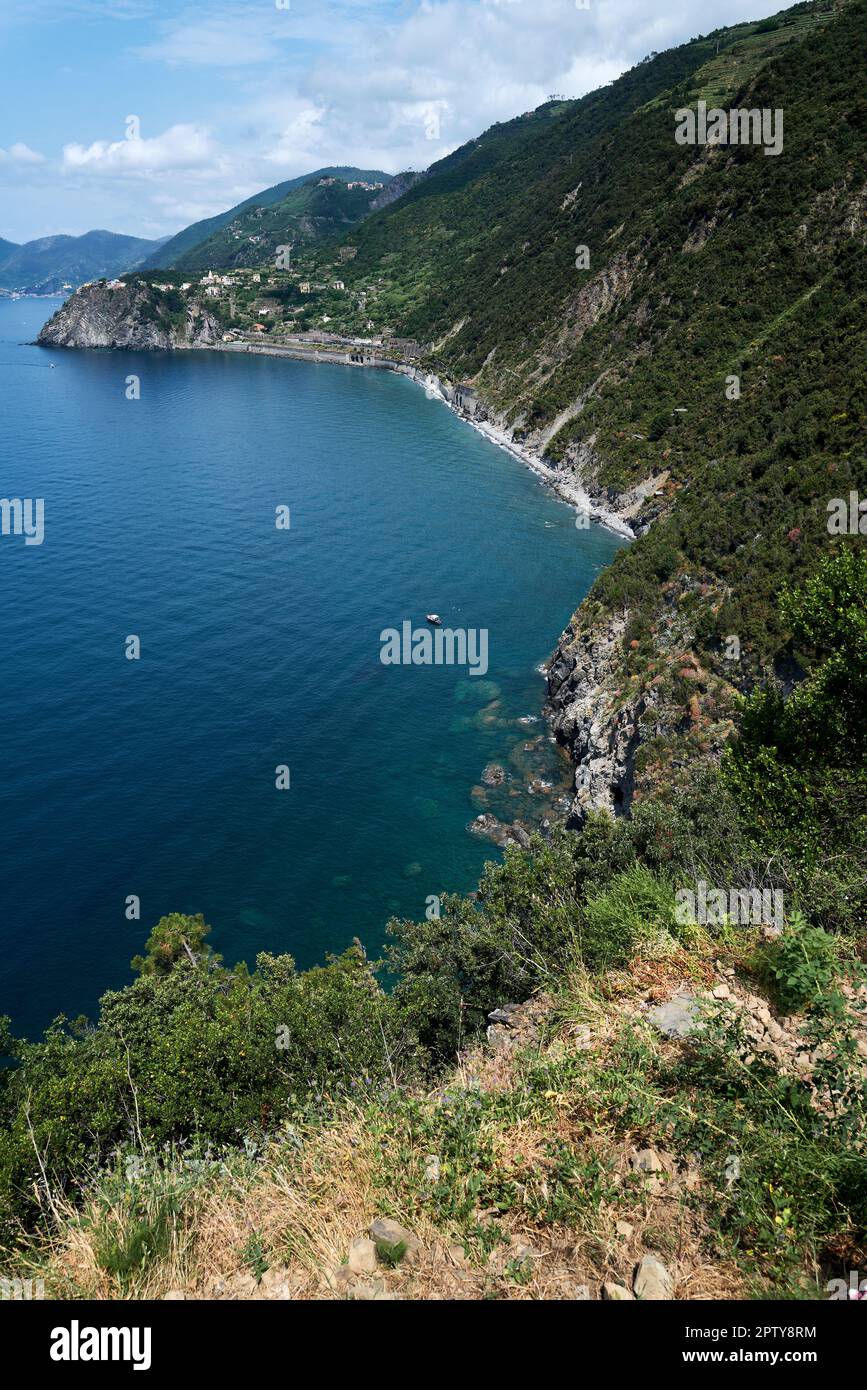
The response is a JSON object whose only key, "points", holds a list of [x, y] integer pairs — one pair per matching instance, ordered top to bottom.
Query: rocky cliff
{"points": [[129, 316]]}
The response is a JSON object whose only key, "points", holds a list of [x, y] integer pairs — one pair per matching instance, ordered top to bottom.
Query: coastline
{"points": [[567, 488]]}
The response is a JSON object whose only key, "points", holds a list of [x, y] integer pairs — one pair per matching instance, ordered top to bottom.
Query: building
{"points": [[337, 285]]}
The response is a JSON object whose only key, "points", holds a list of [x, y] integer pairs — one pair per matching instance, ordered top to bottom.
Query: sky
{"points": [[141, 116]]}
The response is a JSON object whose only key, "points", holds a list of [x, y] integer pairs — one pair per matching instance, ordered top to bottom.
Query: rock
{"points": [[96, 316], [494, 775], [722, 992], [504, 1014], [678, 1018], [775, 1032], [647, 1161], [432, 1168], [624, 1229], [384, 1231], [362, 1256], [457, 1256], [340, 1279], [652, 1281], [275, 1283], [241, 1285], [372, 1292], [616, 1293], [174, 1296]]}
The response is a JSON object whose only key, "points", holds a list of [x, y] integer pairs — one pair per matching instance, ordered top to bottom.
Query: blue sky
{"points": [[231, 97]]}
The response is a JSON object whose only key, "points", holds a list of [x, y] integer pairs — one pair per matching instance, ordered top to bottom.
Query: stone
{"points": [[494, 775], [722, 992], [504, 1014], [676, 1019], [647, 1161], [432, 1168], [624, 1229], [387, 1232], [362, 1256], [457, 1256], [340, 1279], [652, 1281], [275, 1283], [241, 1285], [371, 1291], [616, 1293], [174, 1296]]}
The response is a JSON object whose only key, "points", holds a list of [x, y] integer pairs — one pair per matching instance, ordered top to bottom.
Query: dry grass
{"points": [[301, 1206]]}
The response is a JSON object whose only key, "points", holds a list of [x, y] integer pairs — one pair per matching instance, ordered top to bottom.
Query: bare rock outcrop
{"points": [[131, 316]]}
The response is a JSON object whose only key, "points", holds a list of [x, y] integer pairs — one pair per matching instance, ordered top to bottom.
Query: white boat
{"points": [[434, 619]]}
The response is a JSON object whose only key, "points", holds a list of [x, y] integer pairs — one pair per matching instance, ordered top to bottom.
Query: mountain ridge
{"points": [[47, 264]]}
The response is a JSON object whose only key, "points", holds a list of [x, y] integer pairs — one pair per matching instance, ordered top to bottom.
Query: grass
{"points": [[537, 1167]]}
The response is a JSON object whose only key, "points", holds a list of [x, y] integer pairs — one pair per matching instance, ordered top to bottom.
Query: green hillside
{"points": [[179, 246], [703, 264]]}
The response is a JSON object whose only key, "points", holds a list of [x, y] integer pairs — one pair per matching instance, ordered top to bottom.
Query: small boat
{"points": [[434, 619]]}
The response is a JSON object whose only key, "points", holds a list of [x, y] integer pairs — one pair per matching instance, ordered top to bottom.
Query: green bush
{"points": [[636, 909], [802, 963]]}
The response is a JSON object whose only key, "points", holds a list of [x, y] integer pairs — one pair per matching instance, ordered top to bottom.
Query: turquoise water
{"points": [[259, 647]]}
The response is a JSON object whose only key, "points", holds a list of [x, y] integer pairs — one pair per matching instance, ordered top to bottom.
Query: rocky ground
{"points": [[646, 1242]]}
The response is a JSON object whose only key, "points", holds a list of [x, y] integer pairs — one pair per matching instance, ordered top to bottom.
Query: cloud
{"points": [[228, 40], [259, 93], [179, 147], [21, 154]]}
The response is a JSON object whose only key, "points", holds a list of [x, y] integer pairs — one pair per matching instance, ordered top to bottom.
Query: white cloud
{"points": [[389, 84], [179, 147], [21, 154]]}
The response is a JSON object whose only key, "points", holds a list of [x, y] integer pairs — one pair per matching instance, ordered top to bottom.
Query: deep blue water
{"points": [[259, 647]]}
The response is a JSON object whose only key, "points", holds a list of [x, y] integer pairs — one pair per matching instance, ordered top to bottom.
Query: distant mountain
{"points": [[198, 233], [45, 265]]}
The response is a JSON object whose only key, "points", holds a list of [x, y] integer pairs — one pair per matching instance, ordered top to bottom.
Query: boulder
{"points": [[678, 1018], [384, 1231], [362, 1256], [652, 1281], [616, 1293]]}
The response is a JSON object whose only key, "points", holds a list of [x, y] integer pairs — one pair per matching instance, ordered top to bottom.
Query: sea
{"points": [[194, 710]]}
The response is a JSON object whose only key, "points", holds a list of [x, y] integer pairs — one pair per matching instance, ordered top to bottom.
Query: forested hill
{"points": [[204, 236], [697, 373]]}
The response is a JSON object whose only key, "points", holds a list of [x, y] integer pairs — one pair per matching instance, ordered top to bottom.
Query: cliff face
{"points": [[128, 316]]}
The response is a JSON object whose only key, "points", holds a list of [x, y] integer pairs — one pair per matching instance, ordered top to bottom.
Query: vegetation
{"points": [[269, 1101]]}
